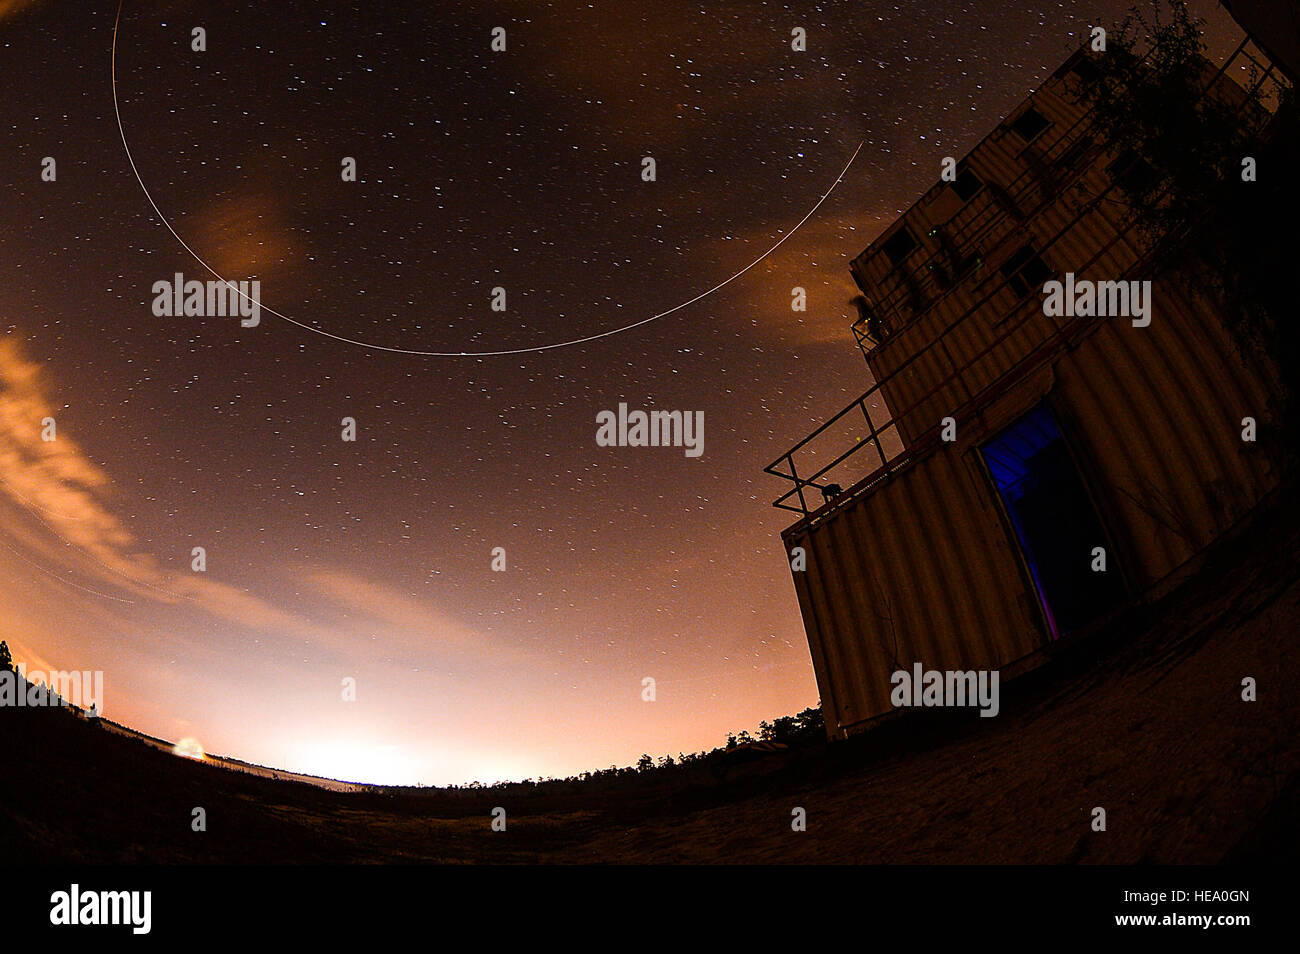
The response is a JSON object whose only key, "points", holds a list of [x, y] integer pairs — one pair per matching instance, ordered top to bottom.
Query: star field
{"points": [[476, 169]]}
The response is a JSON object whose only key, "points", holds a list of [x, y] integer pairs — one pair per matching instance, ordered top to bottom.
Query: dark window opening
{"points": [[1087, 71], [1030, 124], [1074, 155], [1132, 173], [968, 185], [899, 246], [1025, 272], [941, 276], [1055, 522]]}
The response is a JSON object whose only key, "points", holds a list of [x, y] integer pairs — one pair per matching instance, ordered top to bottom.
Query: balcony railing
{"points": [[976, 221], [884, 436]]}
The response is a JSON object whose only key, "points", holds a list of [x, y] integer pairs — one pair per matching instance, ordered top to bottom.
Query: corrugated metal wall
{"points": [[1055, 193], [1060, 208], [1156, 415], [923, 568]]}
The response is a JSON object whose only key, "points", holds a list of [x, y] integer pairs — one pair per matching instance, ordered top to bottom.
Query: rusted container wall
{"points": [[1045, 193], [1056, 193], [1157, 414], [921, 566], [921, 570]]}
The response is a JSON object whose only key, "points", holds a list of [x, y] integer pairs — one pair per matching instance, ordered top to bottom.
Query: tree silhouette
{"points": [[1150, 97], [1181, 151], [6, 659], [810, 721]]}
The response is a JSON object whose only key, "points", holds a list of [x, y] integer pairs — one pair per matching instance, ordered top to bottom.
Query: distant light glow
{"points": [[189, 748]]}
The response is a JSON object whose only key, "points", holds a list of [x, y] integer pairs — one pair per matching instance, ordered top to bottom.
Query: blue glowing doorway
{"points": [[1054, 520]]}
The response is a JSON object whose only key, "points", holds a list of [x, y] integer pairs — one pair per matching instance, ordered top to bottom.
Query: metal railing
{"points": [[994, 203], [972, 224], [893, 454]]}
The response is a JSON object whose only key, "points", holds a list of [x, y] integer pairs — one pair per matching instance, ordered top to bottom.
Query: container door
{"points": [[1055, 521]]}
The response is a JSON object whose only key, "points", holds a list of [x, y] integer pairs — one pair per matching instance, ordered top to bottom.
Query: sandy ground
{"points": [[1144, 720]]}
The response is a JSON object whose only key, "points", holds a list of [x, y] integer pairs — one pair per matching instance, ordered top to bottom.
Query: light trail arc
{"points": [[117, 112]]}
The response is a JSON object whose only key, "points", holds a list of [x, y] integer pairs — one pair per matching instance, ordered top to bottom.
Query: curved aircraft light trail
{"points": [[447, 354], [32, 509], [59, 579]]}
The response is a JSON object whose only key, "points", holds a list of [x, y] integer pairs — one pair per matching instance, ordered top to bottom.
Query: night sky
{"points": [[521, 169]]}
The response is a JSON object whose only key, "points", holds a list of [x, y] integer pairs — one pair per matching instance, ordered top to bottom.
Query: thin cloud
{"points": [[61, 524], [406, 622]]}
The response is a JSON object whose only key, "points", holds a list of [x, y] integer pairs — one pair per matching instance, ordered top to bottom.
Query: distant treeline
{"points": [[802, 730]]}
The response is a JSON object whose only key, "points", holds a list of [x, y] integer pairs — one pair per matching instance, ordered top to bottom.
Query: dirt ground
{"points": [[1144, 720]]}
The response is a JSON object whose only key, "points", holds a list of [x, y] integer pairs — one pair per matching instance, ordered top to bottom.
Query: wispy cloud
{"points": [[245, 234], [815, 259], [62, 524], [408, 623]]}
